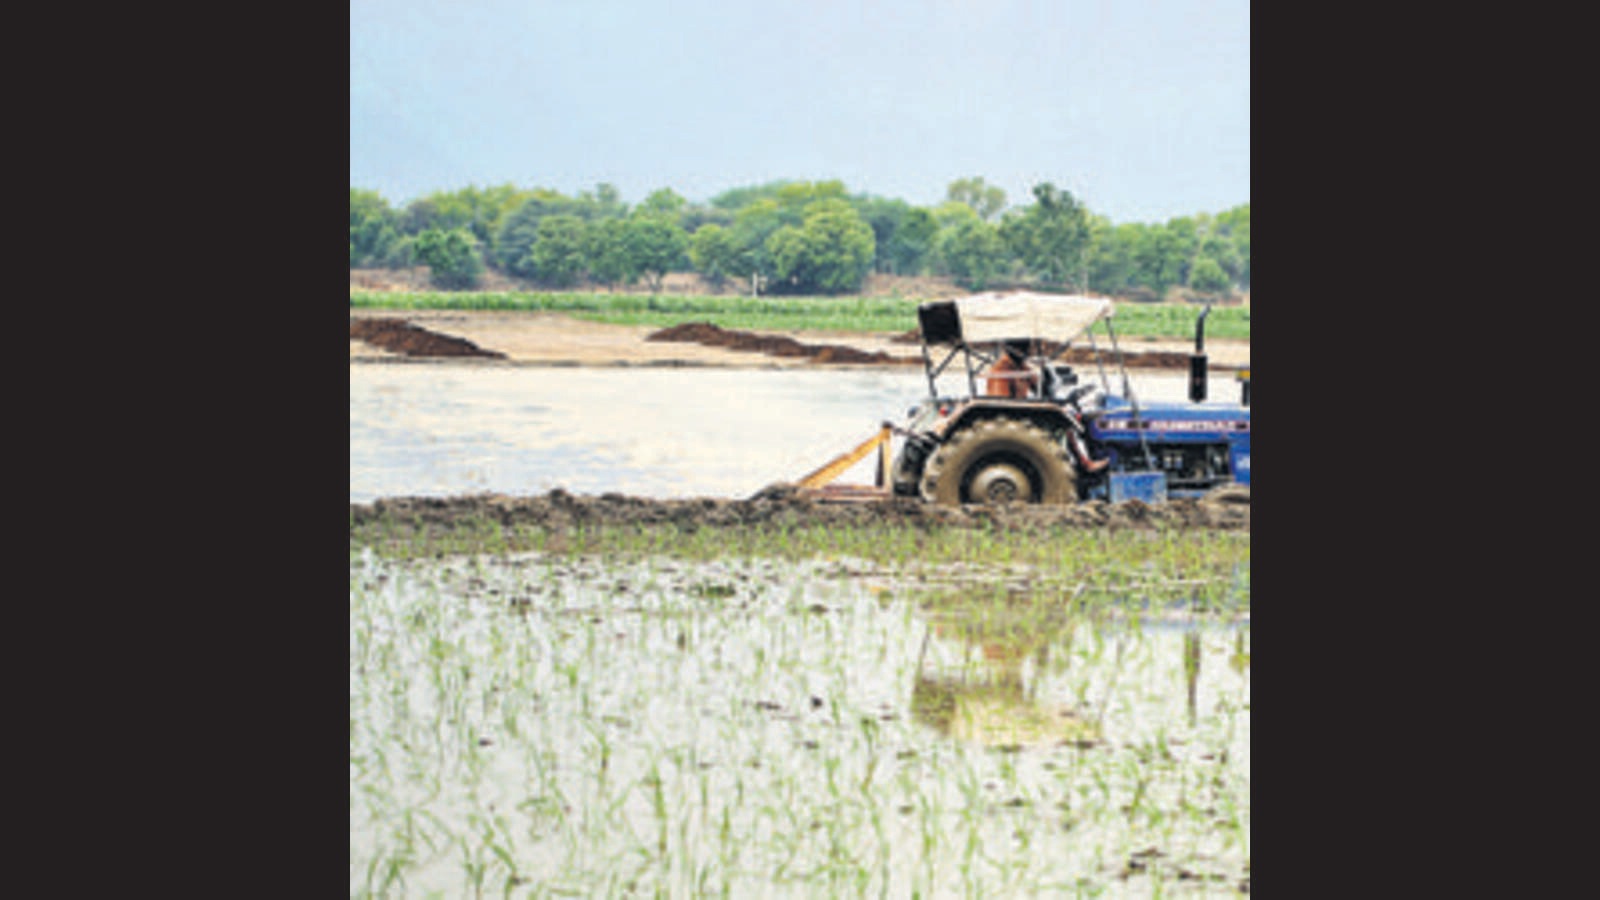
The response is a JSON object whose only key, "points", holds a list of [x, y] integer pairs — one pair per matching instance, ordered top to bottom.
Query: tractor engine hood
{"points": [[1172, 422]]}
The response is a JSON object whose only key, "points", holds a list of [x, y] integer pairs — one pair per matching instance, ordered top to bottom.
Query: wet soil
{"points": [[406, 339], [779, 506]]}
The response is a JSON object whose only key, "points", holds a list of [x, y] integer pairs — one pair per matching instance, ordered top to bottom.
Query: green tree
{"points": [[799, 195], [735, 199], [986, 200], [604, 202], [664, 203], [366, 204], [485, 209], [479, 210], [759, 211], [950, 213], [427, 214], [696, 217], [884, 217], [1234, 225], [753, 226], [372, 229], [519, 229], [1183, 235], [1051, 236], [372, 243], [1241, 243], [655, 245], [911, 247], [606, 251], [972, 252], [1224, 252], [402, 253], [714, 253], [829, 253], [790, 254], [557, 256], [452, 257], [1161, 257], [1111, 265], [1206, 276]]}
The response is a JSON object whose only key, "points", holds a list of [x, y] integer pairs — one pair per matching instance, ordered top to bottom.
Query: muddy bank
{"points": [[710, 335], [400, 336], [1226, 509]]}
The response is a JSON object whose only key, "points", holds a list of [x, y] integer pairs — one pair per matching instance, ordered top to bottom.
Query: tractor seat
{"points": [[1058, 380]]}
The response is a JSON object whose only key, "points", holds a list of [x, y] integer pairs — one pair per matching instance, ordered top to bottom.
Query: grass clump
{"points": [[1193, 568]]}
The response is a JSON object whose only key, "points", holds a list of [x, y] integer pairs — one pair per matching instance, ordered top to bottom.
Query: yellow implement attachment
{"points": [[818, 482]]}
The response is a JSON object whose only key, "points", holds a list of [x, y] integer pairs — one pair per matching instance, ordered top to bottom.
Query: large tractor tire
{"points": [[999, 461]]}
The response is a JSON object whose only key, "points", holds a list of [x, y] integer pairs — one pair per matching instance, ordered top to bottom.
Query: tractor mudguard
{"points": [[1044, 413]]}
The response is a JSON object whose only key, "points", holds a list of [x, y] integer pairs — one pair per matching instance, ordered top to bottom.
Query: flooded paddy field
{"points": [[442, 429], [589, 658], [707, 722]]}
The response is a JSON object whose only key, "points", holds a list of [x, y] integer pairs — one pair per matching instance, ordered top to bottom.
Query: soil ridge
{"points": [[711, 335], [408, 339], [779, 506]]}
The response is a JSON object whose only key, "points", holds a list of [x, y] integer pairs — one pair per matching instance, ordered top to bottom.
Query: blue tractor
{"points": [[1037, 432]]}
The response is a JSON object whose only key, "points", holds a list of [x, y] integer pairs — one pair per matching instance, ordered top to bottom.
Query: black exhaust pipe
{"points": [[1197, 359]]}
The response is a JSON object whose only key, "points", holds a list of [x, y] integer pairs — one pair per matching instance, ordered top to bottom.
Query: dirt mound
{"points": [[400, 336], [771, 344], [1226, 509]]}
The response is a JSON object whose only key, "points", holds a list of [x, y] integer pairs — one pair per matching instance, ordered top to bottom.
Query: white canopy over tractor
{"points": [[1016, 315]]}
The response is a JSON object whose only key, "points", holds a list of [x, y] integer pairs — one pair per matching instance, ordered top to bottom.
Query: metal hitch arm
{"points": [[840, 464]]}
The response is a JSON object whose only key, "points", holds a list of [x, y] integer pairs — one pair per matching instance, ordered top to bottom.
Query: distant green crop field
{"points": [[860, 314], [1177, 320]]}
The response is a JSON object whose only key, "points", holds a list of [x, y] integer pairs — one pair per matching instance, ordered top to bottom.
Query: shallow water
{"points": [[442, 429], [763, 728]]}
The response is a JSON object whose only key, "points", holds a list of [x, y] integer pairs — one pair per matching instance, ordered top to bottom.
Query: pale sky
{"points": [[1141, 108]]}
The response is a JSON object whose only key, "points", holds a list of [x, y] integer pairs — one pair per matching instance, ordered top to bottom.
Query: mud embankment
{"points": [[710, 335], [400, 336], [1226, 509]]}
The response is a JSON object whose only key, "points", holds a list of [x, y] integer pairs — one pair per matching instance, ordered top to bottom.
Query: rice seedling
{"points": [[798, 713]]}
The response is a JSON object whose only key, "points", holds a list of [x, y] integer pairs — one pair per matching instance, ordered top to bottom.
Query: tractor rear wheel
{"points": [[999, 461]]}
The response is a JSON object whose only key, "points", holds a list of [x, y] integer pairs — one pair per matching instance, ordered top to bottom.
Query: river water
{"points": [[443, 429]]}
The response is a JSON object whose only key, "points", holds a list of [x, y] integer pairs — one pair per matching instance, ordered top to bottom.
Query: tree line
{"points": [[797, 237]]}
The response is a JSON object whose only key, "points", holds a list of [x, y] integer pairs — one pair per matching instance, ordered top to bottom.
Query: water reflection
{"points": [[1191, 670], [998, 672], [990, 695], [617, 707]]}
